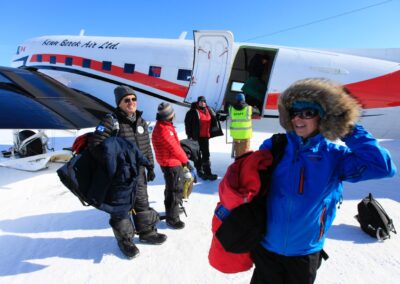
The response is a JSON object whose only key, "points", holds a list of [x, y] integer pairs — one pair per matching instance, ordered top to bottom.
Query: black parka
{"points": [[192, 122]]}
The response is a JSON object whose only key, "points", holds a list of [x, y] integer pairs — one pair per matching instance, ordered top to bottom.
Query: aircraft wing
{"points": [[30, 99]]}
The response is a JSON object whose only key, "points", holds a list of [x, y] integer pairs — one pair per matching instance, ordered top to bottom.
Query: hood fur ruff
{"points": [[342, 110]]}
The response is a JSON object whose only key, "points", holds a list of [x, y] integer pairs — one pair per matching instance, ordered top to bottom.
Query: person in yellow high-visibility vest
{"points": [[241, 128]]}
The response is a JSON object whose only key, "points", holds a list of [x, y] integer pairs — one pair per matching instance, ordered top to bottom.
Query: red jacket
{"points": [[205, 122], [167, 148], [239, 185]]}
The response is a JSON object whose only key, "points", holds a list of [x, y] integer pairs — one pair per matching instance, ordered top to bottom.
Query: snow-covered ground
{"points": [[47, 236]]}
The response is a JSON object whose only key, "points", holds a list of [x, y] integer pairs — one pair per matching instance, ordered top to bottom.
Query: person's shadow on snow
{"points": [[91, 219], [17, 251]]}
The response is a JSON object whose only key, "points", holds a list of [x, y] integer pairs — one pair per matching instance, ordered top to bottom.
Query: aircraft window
{"points": [[39, 58], [53, 60], [68, 61], [86, 63], [106, 65], [129, 68], [155, 71], [184, 74], [4, 79], [39, 83], [237, 86]]}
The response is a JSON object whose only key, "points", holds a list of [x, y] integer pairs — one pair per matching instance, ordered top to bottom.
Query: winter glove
{"points": [[221, 115], [188, 165], [150, 174]]}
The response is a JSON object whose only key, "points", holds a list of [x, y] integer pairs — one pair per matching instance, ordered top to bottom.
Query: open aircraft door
{"points": [[212, 57]]}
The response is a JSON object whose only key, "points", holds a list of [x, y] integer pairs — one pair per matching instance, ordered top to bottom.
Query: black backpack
{"points": [[77, 173], [373, 219]]}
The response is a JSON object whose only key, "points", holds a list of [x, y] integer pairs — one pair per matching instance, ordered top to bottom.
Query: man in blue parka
{"points": [[306, 185]]}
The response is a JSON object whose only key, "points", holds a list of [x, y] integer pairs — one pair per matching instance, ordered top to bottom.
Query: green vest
{"points": [[241, 122]]}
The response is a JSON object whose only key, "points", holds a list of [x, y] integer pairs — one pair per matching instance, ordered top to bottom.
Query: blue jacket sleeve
{"points": [[364, 158]]}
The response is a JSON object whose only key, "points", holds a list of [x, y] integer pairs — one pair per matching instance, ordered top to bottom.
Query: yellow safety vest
{"points": [[241, 124]]}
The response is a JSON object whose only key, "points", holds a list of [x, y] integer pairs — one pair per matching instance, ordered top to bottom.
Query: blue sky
{"points": [[306, 23]]}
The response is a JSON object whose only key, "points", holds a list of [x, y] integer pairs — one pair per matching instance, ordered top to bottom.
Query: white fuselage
{"points": [[178, 70]]}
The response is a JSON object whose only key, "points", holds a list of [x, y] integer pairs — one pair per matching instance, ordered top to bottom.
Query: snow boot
{"points": [[200, 172], [208, 175], [173, 220], [176, 224], [124, 232], [152, 237], [128, 248]]}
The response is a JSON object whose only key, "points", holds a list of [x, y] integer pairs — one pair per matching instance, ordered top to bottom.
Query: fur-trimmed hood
{"points": [[341, 110]]}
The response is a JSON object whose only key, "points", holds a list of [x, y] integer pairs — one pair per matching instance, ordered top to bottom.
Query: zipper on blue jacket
{"points": [[301, 181], [322, 224]]}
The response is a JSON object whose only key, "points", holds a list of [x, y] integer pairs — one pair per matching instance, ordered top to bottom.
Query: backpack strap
{"points": [[279, 142]]}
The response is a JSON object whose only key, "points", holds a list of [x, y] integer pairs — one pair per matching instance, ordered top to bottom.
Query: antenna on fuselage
{"points": [[82, 32], [182, 35]]}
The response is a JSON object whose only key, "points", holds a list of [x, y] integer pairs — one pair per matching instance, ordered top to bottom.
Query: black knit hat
{"points": [[122, 91], [201, 98], [165, 112]]}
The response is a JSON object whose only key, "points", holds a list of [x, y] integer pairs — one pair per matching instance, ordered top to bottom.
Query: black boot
{"points": [[200, 172], [207, 172], [173, 220], [145, 223], [176, 224], [124, 232], [152, 237]]}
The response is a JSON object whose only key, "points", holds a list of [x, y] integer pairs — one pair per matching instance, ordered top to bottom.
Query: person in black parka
{"points": [[198, 124], [131, 126]]}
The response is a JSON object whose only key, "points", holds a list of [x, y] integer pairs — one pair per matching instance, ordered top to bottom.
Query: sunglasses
{"points": [[128, 100], [303, 113]]}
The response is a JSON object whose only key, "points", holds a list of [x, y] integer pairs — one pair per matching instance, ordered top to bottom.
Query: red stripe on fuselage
{"points": [[138, 77], [379, 92], [272, 101]]}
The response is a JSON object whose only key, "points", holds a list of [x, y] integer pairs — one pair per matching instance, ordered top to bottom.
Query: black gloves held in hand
{"points": [[150, 174]]}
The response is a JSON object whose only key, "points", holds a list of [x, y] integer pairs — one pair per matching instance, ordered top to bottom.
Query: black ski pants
{"points": [[204, 144], [173, 191], [141, 197], [145, 218], [272, 268]]}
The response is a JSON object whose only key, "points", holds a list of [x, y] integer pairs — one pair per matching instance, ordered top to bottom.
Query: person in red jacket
{"points": [[171, 157]]}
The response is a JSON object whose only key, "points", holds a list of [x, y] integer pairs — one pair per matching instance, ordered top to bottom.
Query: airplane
{"points": [[215, 66]]}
